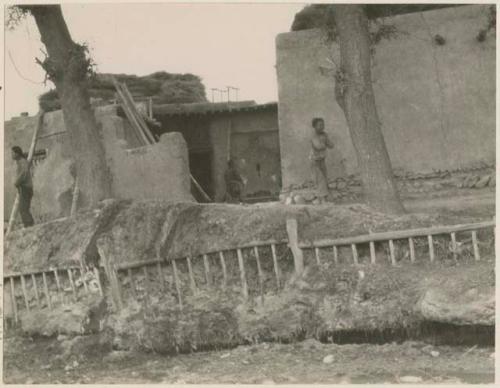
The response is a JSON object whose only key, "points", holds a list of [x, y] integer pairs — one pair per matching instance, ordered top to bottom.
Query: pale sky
{"points": [[224, 44]]}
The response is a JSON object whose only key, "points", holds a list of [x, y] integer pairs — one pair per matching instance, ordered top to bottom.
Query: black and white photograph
{"points": [[249, 193]]}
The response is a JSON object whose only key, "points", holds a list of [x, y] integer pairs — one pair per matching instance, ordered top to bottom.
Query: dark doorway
{"points": [[200, 164]]}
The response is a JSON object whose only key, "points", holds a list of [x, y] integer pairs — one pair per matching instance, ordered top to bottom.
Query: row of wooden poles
{"points": [[138, 124], [411, 246], [297, 249], [57, 274], [117, 292]]}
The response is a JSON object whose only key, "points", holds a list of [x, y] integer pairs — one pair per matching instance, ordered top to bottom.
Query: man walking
{"points": [[320, 142], [24, 185]]}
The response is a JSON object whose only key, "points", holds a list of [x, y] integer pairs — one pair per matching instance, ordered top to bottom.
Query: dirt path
{"points": [[471, 204], [306, 362]]}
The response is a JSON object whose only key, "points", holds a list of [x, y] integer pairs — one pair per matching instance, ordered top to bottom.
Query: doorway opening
{"points": [[200, 165]]}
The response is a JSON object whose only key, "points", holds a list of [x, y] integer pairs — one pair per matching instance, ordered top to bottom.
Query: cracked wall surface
{"points": [[436, 102]]}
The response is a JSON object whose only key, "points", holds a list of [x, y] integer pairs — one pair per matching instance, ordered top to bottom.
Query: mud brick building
{"points": [[244, 131], [194, 138], [160, 171]]}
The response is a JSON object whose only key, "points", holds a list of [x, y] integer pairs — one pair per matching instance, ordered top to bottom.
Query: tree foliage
{"points": [[14, 15], [321, 15], [491, 24], [69, 67]]}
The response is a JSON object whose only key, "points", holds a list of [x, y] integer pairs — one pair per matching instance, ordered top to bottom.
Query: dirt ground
{"points": [[468, 203], [305, 362]]}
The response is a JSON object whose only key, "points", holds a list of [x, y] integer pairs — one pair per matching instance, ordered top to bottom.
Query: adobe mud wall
{"points": [[436, 102], [160, 171], [331, 297]]}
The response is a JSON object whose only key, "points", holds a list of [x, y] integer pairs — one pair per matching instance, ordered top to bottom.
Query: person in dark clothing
{"points": [[234, 183], [24, 185]]}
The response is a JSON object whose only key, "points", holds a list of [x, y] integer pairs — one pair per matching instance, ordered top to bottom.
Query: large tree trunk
{"points": [[67, 67], [355, 95]]}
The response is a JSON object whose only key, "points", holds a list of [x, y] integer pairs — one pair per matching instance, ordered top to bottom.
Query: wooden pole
{"points": [[129, 109], [131, 117], [139, 118], [229, 133], [200, 189], [74, 201], [15, 206], [293, 243], [454, 245], [431, 247], [475, 247], [412, 249], [391, 252], [354, 254], [317, 255], [373, 255], [206, 265], [223, 265], [276, 268], [259, 270], [160, 274], [191, 276], [98, 280], [84, 282], [58, 283], [132, 283], [177, 283], [72, 284], [146, 284], [244, 285], [35, 288], [46, 289], [25, 293], [13, 299]]}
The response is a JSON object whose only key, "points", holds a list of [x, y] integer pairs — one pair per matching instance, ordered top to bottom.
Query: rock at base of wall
{"points": [[470, 181], [482, 182], [439, 306], [78, 318], [207, 320], [89, 346]]}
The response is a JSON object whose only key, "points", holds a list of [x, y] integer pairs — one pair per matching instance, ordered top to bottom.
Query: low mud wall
{"points": [[151, 303]]}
